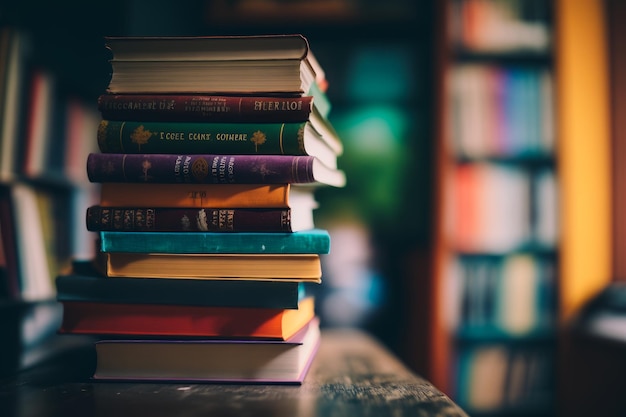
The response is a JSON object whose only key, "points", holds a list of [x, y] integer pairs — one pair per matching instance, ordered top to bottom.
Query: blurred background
{"points": [[478, 226]]}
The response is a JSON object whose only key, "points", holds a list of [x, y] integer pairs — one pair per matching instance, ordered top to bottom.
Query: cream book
{"points": [[291, 267]]}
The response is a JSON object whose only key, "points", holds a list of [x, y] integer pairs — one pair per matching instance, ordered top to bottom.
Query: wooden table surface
{"points": [[352, 375]]}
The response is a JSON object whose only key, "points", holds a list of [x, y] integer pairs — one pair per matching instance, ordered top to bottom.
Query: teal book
{"points": [[312, 241], [85, 284]]}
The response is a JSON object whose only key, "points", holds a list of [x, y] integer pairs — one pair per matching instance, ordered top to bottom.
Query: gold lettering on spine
{"points": [[280, 139]]}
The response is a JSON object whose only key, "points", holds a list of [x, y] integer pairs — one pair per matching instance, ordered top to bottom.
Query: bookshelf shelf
{"points": [[497, 243], [473, 272]]}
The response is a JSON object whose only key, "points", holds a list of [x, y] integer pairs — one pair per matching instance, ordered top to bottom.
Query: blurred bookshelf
{"points": [[50, 78], [509, 162], [503, 201]]}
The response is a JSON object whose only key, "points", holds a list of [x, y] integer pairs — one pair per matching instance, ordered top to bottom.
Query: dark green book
{"points": [[297, 138], [313, 241], [84, 284]]}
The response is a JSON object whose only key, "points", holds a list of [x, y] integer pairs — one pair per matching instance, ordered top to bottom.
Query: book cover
{"points": [[212, 48], [281, 63], [205, 108], [144, 137], [211, 169], [195, 195], [167, 219], [314, 241], [289, 267], [87, 286], [164, 320], [240, 361]]}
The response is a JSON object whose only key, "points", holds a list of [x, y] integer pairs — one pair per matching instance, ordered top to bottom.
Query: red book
{"points": [[205, 108], [184, 321]]}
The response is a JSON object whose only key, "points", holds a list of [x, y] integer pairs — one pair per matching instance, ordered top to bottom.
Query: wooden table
{"points": [[352, 375]]}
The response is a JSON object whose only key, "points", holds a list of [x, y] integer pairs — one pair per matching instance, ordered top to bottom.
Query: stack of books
{"points": [[211, 149]]}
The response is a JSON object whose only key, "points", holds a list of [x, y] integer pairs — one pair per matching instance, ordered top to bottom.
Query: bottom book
{"points": [[235, 361]]}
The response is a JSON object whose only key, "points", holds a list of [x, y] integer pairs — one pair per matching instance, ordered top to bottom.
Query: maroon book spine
{"points": [[205, 108], [199, 169], [159, 219]]}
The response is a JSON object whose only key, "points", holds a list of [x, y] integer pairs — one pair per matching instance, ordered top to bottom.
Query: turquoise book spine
{"points": [[313, 241]]}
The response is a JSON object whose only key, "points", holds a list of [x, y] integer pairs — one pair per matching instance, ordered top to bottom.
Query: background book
{"points": [[14, 50], [296, 138], [211, 169], [314, 241], [28, 242], [290, 267], [85, 284], [503, 296], [161, 320], [258, 361], [501, 376]]}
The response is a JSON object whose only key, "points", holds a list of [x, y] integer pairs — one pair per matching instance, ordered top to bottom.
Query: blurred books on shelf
{"points": [[501, 26], [13, 57], [502, 111], [501, 207], [500, 231], [503, 296], [499, 376]]}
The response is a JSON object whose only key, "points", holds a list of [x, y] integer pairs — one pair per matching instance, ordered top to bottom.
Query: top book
{"points": [[271, 63]]}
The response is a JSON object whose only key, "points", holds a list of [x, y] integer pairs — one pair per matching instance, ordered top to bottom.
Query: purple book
{"points": [[213, 169], [210, 360]]}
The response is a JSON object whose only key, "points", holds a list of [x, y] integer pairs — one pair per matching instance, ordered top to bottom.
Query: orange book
{"points": [[195, 195], [244, 266], [184, 321]]}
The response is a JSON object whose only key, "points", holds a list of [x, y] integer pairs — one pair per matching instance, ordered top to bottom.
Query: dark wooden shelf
{"points": [[352, 375]]}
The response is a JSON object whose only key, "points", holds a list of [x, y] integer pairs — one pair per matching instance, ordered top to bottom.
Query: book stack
{"points": [[211, 149]]}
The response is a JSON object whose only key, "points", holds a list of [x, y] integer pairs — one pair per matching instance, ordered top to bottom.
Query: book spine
{"points": [[205, 108], [201, 138], [199, 169], [195, 195], [159, 219], [301, 242], [249, 294]]}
